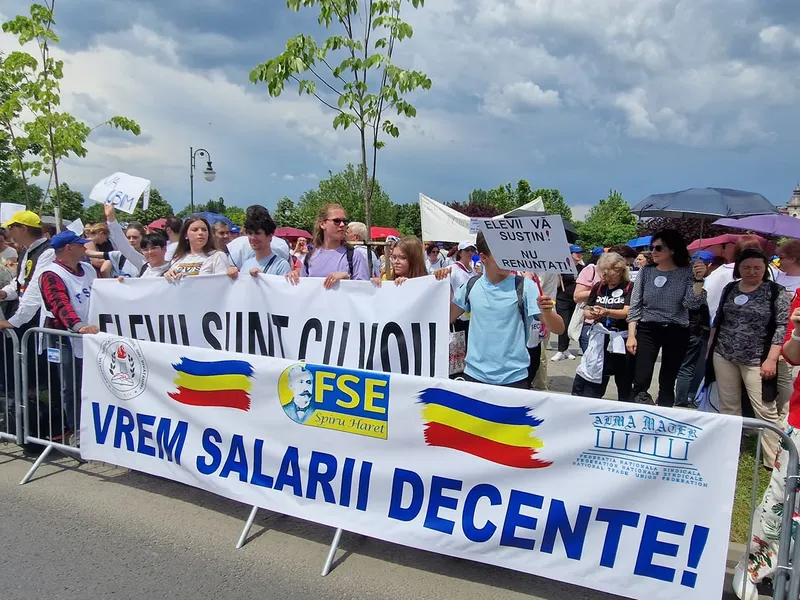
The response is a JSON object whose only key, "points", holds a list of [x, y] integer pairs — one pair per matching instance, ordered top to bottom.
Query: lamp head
{"points": [[210, 174]]}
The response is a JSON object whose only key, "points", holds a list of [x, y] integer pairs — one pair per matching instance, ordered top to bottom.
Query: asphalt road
{"points": [[93, 532]]}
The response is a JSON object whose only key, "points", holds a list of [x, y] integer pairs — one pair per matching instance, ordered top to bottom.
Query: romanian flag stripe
{"points": [[218, 367], [213, 383], [238, 399], [506, 415], [444, 436], [520, 436]]}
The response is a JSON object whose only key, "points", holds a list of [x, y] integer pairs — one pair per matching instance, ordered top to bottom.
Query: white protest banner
{"points": [[123, 191], [7, 210], [441, 223], [76, 227], [529, 243], [401, 329], [625, 499]]}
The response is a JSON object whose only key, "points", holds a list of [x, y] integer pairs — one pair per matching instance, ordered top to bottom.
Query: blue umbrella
{"points": [[704, 203], [214, 218], [641, 242]]}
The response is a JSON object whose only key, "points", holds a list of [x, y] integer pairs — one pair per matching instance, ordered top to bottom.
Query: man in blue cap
{"points": [[66, 291], [693, 367]]}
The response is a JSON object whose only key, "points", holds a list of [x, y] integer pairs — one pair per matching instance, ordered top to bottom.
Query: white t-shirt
{"points": [[239, 250], [214, 263], [156, 271], [459, 275], [790, 282]]}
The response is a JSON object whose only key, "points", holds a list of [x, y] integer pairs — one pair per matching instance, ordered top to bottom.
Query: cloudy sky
{"points": [[643, 96]]}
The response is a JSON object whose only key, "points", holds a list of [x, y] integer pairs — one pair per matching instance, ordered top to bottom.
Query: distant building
{"points": [[793, 206]]}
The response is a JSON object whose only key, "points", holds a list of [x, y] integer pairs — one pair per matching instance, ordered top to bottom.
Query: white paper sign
{"points": [[123, 190], [7, 210], [474, 226], [76, 227], [529, 243], [399, 329], [626, 499]]}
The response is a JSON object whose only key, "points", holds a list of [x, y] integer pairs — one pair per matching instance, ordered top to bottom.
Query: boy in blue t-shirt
{"points": [[260, 228], [497, 350]]}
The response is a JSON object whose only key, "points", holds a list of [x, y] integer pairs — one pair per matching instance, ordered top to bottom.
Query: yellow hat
{"points": [[24, 217]]}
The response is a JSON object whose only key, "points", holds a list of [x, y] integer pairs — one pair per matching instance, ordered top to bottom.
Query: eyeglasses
{"points": [[339, 222], [658, 248], [435, 251]]}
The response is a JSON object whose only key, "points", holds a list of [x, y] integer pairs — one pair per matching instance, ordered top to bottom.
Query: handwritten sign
{"points": [[123, 191], [7, 210], [529, 243]]}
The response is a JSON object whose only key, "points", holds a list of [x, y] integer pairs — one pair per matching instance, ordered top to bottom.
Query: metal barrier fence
{"points": [[50, 415], [50, 419], [11, 429]]}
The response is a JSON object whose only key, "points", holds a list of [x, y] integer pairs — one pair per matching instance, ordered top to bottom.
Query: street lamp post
{"points": [[208, 173]]}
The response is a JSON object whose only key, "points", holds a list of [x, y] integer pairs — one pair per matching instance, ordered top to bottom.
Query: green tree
{"points": [[365, 84], [55, 135], [346, 188], [524, 193], [503, 198], [554, 203], [71, 204], [216, 206], [235, 214], [286, 214], [408, 219], [608, 223]]}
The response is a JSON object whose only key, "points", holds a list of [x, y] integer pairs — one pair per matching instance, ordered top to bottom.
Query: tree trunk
{"points": [[367, 197], [59, 220]]}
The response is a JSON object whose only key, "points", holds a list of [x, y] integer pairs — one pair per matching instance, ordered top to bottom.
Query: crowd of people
{"points": [[715, 325]]}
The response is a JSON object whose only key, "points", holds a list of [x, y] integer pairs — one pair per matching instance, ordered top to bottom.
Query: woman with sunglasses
{"points": [[433, 257], [330, 258], [659, 315]]}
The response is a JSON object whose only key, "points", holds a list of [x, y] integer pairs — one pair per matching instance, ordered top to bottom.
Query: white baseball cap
{"points": [[466, 244]]}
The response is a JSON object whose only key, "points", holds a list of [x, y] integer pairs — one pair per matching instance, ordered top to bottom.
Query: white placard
{"points": [[123, 190], [7, 210], [474, 226], [76, 227], [536, 244], [402, 329], [629, 500]]}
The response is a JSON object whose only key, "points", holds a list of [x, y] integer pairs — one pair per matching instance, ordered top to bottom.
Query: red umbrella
{"points": [[158, 224], [291, 233], [381, 233], [728, 238]]}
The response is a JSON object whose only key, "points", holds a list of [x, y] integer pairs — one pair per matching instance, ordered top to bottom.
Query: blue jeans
{"points": [[692, 370]]}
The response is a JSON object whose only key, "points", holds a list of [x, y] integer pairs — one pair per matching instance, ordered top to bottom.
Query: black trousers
{"points": [[564, 308], [672, 341], [536, 360], [621, 367]]}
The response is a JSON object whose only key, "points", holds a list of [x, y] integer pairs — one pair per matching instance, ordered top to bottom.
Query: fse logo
{"points": [[339, 399]]}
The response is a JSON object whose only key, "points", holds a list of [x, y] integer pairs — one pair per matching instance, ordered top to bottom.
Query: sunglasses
{"points": [[339, 222], [658, 248]]}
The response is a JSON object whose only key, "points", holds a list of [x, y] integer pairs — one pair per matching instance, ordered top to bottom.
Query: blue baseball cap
{"points": [[236, 229], [66, 238], [575, 250], [598, 251], [705, 256]]}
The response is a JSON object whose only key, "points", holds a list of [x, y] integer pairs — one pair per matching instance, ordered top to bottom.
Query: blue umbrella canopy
{"points": [[704, 203], [214, 218], [641, 242]]}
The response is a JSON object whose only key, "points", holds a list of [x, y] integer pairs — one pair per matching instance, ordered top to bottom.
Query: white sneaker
{"points": [[569, 355], [559, 356], [751, 593]]}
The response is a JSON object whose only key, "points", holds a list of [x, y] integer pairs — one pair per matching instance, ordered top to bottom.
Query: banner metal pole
{"points": [[247, 526]]}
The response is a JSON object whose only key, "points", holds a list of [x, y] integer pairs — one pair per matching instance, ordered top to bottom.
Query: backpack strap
{"points": [[349, 253], [269, 264], [143, 269], [470, 284], [519, 284], [720, 311]]}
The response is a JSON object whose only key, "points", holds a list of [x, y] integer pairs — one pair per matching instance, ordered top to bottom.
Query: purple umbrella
{"points": [[774, 224]]}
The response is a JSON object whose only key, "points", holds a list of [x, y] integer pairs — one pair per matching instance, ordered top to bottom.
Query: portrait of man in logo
{"points": [[301, 384]]}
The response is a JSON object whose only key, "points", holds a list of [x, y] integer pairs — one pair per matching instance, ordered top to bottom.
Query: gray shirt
{"points": [[664, 297], [742, 337]]}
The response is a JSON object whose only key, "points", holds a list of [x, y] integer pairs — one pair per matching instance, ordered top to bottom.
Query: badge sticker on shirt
{"points": [[660, 281], [618, 293], [741, 300]]}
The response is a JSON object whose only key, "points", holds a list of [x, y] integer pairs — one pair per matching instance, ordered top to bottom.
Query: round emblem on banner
{"points": [[660, 281], [617, 293], [741, 300], [122, 367]]}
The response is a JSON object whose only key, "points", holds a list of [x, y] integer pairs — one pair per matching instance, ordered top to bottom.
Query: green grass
{"points": [[740, 522]]}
